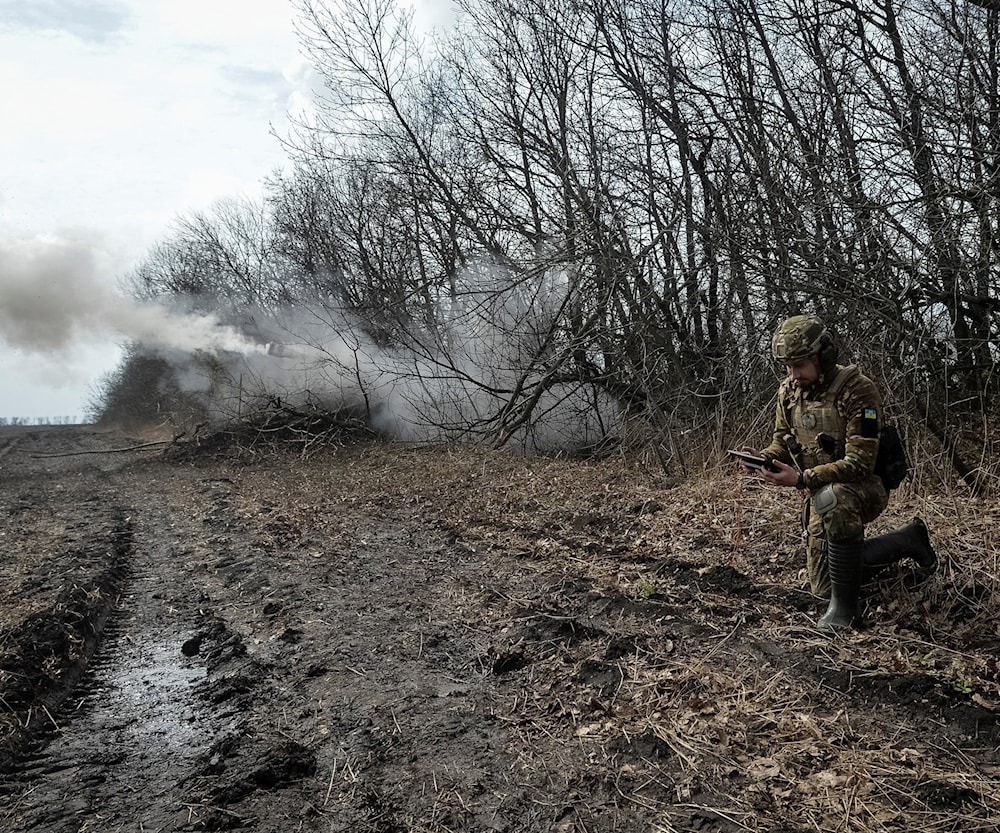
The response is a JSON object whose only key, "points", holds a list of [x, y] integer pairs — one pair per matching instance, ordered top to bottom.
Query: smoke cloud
{"points": [[53, 297], [486, 360], [484, 371]]}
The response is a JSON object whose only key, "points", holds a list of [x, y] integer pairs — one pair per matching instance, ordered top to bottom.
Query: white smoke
{"points": [[486, 358]]}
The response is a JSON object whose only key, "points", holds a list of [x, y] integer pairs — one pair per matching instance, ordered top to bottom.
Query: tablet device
{"points": [[751, 461]]}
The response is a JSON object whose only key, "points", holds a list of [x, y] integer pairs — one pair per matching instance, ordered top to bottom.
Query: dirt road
{"points": [[371, 638]]}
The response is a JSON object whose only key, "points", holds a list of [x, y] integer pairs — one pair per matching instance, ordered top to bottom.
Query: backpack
{"points": [[890, 463]]}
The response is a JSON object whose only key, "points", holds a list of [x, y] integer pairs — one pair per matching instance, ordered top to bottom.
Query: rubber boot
{"points": [[910, 541], [845, 559]]}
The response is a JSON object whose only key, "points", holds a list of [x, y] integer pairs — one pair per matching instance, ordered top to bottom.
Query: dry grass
{"points": [[729, 706]]}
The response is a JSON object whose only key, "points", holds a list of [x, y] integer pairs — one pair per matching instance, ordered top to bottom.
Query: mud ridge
{"points": [[44, 660]]}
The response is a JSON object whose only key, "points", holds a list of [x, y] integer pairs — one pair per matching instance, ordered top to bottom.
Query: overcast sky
{"points": [[118, 117]]}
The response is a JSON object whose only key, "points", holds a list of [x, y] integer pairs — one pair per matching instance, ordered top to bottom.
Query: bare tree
{"points": [[638, 192]]}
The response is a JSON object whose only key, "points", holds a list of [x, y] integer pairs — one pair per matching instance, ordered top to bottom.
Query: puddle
{"points": [[155, 695], [140, 708], [134, 730]]}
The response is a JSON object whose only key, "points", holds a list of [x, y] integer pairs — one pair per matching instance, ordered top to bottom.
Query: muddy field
{"points": [[356, 636]]}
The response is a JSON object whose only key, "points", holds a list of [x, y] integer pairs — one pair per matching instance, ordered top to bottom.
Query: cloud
{"points": [[230, 20], [92, 21], [121, 137], [43, 386]]}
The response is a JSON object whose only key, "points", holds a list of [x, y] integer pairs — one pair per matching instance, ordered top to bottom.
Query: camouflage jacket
{"points": [[837, 424]]}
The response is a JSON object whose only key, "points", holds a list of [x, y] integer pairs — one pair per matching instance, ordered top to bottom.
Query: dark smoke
{"points": [[53, 297]]}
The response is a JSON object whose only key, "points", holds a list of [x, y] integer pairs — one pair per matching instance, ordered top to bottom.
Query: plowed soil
{"points": [[341, 634]]}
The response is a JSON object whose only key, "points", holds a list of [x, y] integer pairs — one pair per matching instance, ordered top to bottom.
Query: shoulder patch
{"points": [[869, 422]]}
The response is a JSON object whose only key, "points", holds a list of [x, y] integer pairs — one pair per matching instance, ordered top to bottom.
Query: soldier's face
{"points": [[803, 372]]}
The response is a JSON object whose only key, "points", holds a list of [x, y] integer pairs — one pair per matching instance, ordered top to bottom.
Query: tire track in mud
{"points": [[7, 446], [132, 715], [122, 742]]}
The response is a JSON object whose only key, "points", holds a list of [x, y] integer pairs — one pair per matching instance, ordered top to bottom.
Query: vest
{"points": [[809, 418]]}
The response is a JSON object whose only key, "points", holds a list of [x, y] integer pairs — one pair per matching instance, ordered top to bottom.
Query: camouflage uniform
{"points": [[845, 407], [827, 424]]}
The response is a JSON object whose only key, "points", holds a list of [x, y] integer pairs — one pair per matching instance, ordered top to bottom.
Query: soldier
{"points": [[826, 437]]}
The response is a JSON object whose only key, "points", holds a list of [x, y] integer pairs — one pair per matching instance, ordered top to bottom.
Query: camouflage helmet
{"points": [[799, 337]]}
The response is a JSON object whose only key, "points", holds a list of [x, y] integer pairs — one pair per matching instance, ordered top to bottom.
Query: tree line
{"points": [[661, 182], [58, 420]]}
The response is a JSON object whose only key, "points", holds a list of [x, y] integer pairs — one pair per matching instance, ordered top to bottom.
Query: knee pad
{"points": [[825, 500]]}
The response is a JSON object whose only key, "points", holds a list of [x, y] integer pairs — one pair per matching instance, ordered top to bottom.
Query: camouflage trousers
{"points": [[857, 504]]}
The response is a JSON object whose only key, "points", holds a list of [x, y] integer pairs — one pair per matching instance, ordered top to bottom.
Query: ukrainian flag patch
{"points": [[869, 422]]}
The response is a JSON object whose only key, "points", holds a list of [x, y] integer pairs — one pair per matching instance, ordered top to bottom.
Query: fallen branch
{"points": [[104, 450]]}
